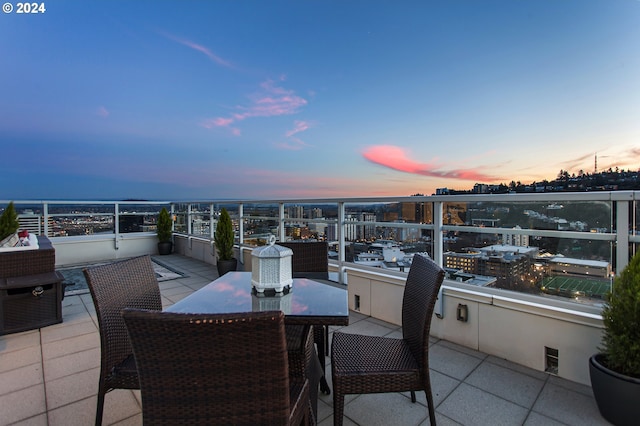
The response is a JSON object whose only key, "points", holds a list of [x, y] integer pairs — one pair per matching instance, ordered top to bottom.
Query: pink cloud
{"points": [[195, 46], [270, 101], [102, 112], [216, 122], [299, 126], [294, 144], [396, 158]]}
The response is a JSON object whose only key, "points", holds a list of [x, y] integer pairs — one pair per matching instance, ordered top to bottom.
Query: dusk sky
{"points": [[190, 100]]}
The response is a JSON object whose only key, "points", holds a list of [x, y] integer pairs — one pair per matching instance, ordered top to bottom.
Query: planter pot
{"points": [[165, 247], [225, 266], [617, 395]]}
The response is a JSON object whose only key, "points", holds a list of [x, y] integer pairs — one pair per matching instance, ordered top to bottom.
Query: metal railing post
{"points": [[281, 221], [622, 235]]}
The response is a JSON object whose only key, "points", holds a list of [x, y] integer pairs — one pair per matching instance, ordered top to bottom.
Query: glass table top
{"points": [[308, 301]]}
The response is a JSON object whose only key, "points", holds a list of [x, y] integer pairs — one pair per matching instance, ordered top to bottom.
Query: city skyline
{"points": [[228, 100]]}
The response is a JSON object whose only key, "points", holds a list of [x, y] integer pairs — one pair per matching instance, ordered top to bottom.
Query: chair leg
{"points": [[326, 340], [323, 349], [413, 396], [100, 407], [338, 407], [432, 409]]}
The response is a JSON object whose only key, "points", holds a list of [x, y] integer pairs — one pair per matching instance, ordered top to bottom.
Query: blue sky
{"points": [[288, 99]]}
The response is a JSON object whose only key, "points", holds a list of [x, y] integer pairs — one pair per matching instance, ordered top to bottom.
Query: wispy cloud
{"points": [[200, 48], [270, 101], [102, 112], [299, 126], [294, 143], [623, 157], [396, 158], [576, 163]]}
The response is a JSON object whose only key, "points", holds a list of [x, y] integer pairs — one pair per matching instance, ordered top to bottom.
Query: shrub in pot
{"points": [[8, 223], [164, 232], [224, 239], [615, 371]]}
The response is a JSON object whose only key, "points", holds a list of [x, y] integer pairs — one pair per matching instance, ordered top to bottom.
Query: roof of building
{"points": [[580, 262]]}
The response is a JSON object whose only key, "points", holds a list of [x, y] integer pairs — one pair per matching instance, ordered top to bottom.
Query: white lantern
{"points": [[271, 267]]}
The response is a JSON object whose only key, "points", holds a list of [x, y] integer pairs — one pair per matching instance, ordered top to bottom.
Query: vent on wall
{"points": [[551, 360]]}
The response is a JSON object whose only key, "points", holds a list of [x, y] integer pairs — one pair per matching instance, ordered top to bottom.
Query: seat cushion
{"points": [[354, 354]]}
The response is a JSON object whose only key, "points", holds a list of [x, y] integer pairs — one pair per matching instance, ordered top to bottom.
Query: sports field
{"points": [[573, 286]]}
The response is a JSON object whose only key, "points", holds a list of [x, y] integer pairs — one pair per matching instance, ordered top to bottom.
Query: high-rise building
{"points": [[295, 212], [367, 232], [515, 239]]}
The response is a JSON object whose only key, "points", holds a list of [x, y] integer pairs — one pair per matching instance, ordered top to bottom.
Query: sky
{"points": [[247, 99]]}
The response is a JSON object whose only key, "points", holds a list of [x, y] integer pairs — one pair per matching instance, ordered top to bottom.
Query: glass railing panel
{"points": [[261, 210], [318, 211], [371, 212], [403, 212], [579, 216], [138, 217], [180, 217], [200, 219], [65, 220], [310, 221], [259, 222], [257, 231], [387, 247], [577, 268]]}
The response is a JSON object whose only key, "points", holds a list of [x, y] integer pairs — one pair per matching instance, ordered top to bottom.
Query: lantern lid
{"points": [[272, 250]]}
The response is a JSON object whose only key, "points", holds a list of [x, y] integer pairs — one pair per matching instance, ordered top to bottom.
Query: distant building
{"points": [[487, 223], [367, 232], [519, 240], [532, 252], [466, 262], [510, 265], [579, 267]]}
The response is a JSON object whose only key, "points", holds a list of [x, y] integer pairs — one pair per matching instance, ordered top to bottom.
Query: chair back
{"points": [[310, 259], [130, 283], [420, 293], [213, 369]]}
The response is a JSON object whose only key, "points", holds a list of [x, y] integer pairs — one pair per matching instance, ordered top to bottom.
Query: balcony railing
{"points": [[583, 237], [483, 240], [534, 262]]}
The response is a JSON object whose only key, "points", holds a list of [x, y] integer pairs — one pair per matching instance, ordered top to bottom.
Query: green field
{"points": [[573, 286]]}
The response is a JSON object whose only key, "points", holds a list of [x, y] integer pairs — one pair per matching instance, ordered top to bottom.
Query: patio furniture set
{"points": [[206, 360]]}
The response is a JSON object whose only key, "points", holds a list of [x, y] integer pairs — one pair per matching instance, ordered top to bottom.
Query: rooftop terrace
{"points": [[50, 376]]}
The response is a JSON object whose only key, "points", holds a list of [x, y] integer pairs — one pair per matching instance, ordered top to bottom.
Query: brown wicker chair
{"points": [[310, 260], [115, 286], [303, 361], [371, 364], [215, 369]]}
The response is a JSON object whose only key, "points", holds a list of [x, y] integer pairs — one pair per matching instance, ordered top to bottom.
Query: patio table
{"points": [[309, 302]]}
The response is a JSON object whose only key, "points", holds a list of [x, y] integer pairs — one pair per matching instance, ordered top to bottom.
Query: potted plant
{"points": [[9, 225], [164, 231], [224, 239], [615, 371]]}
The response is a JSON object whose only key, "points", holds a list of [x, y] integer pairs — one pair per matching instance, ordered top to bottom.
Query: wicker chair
{"points": [[310, 260], [115, 286], [371, 364], [215, 369]]}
